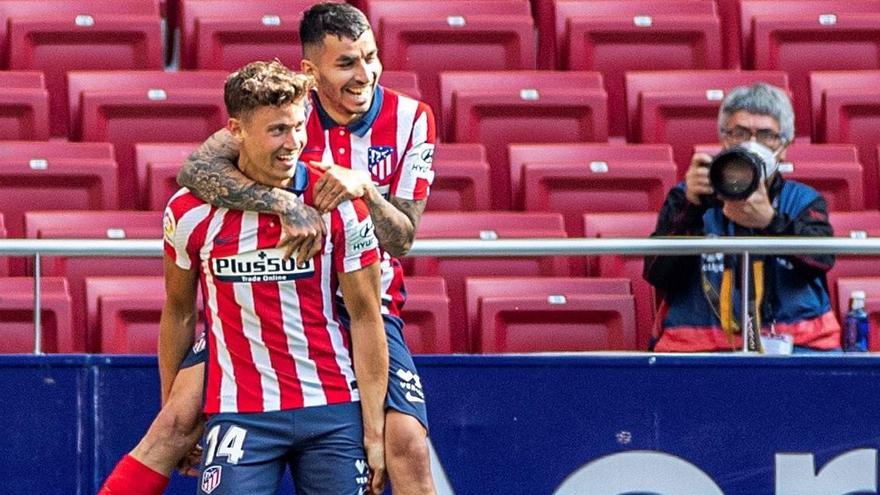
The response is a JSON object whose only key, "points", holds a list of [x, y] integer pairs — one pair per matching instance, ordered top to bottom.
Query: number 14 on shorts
{"points": [[229, 447]]}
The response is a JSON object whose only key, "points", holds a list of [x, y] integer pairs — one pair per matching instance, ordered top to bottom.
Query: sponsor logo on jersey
{"points": [[419, 161], [379, 162], [168, 225], [362, 237], [262, 265], [211, 478]]}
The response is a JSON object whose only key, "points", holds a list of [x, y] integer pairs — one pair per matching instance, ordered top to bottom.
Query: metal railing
{"points": [[744, 246]]}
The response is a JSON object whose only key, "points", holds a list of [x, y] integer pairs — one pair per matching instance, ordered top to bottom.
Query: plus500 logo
{"points": [[659, 473]]}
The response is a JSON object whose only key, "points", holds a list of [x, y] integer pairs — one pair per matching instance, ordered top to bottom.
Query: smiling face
{"points": [[346, 73], [271, 139]]}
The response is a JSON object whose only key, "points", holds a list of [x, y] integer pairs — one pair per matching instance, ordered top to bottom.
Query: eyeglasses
{"points": [[741, 134]]}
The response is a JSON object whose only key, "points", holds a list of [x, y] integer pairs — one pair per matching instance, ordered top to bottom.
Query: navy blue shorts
{"points": [[405, 392], [323, 445]]}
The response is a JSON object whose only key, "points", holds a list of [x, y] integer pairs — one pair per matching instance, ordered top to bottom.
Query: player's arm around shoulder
{"points": [[356, 260]]}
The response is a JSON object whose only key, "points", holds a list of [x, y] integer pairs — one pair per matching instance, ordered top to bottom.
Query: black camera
{"points": [[736, 172]]}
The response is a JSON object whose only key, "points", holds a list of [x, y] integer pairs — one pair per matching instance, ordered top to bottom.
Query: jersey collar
{"points": [[359, 127], [300, 181]]}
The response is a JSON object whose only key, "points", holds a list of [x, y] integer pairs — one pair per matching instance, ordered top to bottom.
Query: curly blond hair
{"points": [[259, 84]]}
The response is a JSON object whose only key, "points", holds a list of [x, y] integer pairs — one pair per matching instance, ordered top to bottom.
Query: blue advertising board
{"points": [[536, 424]]}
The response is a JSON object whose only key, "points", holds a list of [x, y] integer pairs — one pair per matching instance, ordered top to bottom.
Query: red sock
{"points": [[132, 477]]}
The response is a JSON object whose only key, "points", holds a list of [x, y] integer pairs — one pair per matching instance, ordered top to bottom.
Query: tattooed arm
{"points": [[210, 173], [396, 221]]}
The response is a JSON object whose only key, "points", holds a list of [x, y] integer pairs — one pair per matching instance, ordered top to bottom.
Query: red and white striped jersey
{"points": [[394, 142], [275, 339]]}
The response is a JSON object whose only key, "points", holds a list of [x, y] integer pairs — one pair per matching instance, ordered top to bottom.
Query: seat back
{"points": [[239, 29], [799, 36], [430, 37], [613, 37], [24, 101], [151, 107], [681, 107], [499, 108], [94, 225], [615, 225], [857, 225], [487, 226], [426, 314], [549, 314], [17, 316]]}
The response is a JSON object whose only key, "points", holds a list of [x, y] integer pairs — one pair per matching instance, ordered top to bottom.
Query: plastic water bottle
{"points": [[855, 326]]}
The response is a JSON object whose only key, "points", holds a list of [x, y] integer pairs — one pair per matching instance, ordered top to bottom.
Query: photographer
{"points": [[788, 295]]}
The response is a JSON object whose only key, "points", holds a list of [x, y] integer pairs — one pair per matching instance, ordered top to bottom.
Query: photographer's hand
{"points": [[696, 179], [755, 212]]}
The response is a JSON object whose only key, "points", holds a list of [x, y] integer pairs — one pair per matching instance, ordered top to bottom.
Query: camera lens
{"points": [[735, 173]]}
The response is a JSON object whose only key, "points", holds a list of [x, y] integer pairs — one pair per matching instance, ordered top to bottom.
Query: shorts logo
{"points": [[379, 162], [263, 265], [199, 345], [411, 382], [363, 475], [211, 478]]}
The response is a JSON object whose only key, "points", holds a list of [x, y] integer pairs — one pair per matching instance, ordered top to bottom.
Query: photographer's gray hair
{"points": [[760, 99]]}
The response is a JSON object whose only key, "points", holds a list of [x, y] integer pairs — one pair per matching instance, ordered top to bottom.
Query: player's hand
{"points": [[696, 180], [337, 185], [755, 212], [302, 232], [376, 459], [189, 465]]}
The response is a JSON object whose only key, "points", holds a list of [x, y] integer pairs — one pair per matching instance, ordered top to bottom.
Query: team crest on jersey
{"points": [[380, 162], [262, 265], [211, 478]]}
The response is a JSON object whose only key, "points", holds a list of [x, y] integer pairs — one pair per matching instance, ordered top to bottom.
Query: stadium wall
{"points": [[540, 424]]}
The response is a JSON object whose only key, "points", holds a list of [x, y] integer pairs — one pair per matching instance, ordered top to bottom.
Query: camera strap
{"points": [[722, 303]]}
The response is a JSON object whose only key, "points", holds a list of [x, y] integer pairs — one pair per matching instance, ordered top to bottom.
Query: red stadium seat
{"points": [[45, 9], [264, 27], [799, 36], [429, 37], [613, 37], [59, 43], [227, 43], [836, 80], [402, 81], [24, 101], [150, 107], [681, 107], [498, 108], [853, 116], [522, 154], [156, 166], [832, 169], [53, 176], [461, 177], [574, 179], [94, 225], [611, 225], [857, 225], [487, 226], [4, 263], [871, 286], [122, 313], [426, 314], [550, 314], [17, 316]]}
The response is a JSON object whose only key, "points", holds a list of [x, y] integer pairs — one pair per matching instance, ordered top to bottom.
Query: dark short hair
{"points": [[339, 19], [259, 84]]}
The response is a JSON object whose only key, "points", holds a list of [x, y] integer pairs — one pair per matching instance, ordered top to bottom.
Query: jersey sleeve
{"points": [[416, 173], [183, 215], [354, 241]]}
